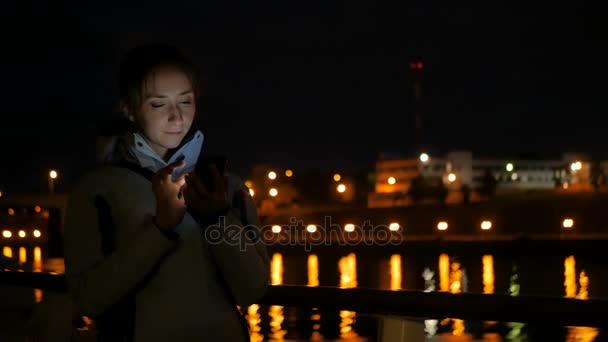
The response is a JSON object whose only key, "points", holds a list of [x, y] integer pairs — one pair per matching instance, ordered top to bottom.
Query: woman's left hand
{"points": [[207, 205]]}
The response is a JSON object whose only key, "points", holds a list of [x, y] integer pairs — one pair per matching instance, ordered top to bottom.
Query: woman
{"points": [[138, 257]]}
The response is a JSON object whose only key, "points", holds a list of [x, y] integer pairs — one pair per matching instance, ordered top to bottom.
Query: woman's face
{"points": [[167, 109]]}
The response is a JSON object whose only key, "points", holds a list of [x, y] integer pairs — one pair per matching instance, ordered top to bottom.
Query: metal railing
{"points": [[468, 306]]}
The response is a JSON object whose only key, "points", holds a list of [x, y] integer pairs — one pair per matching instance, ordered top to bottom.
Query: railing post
{"points": [[400, 329]]}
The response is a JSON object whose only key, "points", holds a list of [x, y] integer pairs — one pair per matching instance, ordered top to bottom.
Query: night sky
{"points": [[311, 84]]}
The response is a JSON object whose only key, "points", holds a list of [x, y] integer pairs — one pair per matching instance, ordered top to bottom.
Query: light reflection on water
{"points": [[395, 266], [452, 278], [348, 279], [313, 280], [276, 311], [577, 334]]}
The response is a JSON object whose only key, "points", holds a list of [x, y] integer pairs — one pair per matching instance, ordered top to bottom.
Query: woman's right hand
{"points": [[170, 205]]}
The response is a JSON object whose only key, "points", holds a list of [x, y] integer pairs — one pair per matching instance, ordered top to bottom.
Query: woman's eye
{"points": [[187, 102], [157, 105]]}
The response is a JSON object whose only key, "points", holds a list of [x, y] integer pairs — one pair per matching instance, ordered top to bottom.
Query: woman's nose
{"points": [[175, 114]]}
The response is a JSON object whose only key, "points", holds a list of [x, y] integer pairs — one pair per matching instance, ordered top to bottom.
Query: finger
{"points": [[168, 170], [218, 179], [181, 180], [195, 182], [190, 196]]}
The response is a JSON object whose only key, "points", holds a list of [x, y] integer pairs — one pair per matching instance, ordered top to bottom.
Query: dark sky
{"points": [[311, 83]]}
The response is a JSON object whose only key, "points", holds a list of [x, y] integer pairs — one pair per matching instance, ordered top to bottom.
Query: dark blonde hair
{"points": [[140, 62]]}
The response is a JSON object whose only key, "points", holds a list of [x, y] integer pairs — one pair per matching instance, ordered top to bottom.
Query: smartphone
{"points": [[203, 169]]}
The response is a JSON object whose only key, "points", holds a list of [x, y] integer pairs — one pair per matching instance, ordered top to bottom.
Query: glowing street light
{"points": [[424, 157], [576, 166], [510, 167], [288, 173], [272, 175], [52, 176], [337, 177], [452, 177], [392, 180], [248, 183], [341, 188], [251, 192], [273, 192], [568, 223], [442, 225], [486, 225], [394, 226], [349, 227], [311, 228], [276, 229], [37, 233], [7, 234], [21, 234]]}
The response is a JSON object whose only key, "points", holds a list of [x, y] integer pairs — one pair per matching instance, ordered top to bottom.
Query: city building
{"points": [[461, 174]]}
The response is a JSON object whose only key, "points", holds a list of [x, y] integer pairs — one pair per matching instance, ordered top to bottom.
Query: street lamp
{"points": [[424, 157], [576, 166], [509, 167], [272, 175], [52, 176], [337, 177], [452, 177], [392, 180], [341, 188], [273, 192], [568, 223], [442, 225], [486, 225], [311, 228]]}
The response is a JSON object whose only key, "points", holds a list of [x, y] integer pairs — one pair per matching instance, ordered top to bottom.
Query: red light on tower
{"points": [[412, 65], [420, 65]]}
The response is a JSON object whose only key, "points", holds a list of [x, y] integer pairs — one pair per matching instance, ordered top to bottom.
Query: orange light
{"points": [[288, 173], [53, 174], [337, 177], [451, 177], [392, 180], [248, 183], [341, 188], [251, 192], [273, 192], [37, 209], [11, 211], [568, 223], [442, 225], [486, 225], [394, 226], [349, 227], [276, 229], [37, 233], [7, 234], [21, 234]]}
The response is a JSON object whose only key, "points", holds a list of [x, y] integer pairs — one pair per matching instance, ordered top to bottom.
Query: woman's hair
{"points": [[140, 62]]}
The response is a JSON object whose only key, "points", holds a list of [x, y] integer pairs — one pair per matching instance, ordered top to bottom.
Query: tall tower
{"points": [[416, 68]]}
